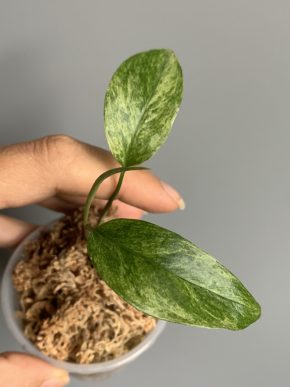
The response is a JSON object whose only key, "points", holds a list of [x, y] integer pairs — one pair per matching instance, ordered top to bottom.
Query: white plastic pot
{"points": [[10, 304]]}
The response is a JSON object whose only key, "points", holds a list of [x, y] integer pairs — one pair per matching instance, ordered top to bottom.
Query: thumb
{"points": [[19, 370]]}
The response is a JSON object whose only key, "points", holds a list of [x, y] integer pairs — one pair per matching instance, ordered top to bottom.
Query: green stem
{"points": [[97, 184], [94, 189], [108, 205]]}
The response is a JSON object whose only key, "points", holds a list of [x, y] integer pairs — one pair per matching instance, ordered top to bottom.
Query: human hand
{"points": [[57, 172]]}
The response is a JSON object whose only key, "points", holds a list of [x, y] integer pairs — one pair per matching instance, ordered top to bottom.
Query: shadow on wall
{"points": [[28, 98]]}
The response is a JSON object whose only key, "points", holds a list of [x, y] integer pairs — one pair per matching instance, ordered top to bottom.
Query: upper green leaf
{"points": [[141, 104], [166, 276]]}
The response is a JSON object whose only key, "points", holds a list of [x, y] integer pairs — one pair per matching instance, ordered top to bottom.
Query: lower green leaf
{"points": [[168, 277]]}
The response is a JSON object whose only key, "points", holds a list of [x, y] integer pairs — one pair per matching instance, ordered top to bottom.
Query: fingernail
{"points": [[174, 195], [59, 379]]}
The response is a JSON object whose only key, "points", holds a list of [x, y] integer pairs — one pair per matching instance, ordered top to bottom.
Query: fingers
{"points": [[58, 165], [140, 188], [144, 190], [70, 203], [60, 205], [127, 211], [12, 231], [19, 370]]}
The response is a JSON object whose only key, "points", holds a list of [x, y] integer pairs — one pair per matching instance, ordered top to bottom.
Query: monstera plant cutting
{"points": [[101, 277]]}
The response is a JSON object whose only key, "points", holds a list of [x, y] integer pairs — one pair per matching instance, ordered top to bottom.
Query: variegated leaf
{"points": [[141, 104], [168, 277]]}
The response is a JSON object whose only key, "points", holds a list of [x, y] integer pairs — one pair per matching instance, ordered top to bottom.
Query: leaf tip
{"points": [[252, 314]]}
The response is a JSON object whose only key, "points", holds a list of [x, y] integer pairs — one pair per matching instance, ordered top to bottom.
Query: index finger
{"points": [[59, 165]]}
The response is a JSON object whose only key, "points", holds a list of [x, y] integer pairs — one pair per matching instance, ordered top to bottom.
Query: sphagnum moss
{"points": [[68, 312]]}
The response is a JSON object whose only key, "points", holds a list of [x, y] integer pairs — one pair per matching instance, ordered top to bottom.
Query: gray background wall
{"points": [[228, 153]]}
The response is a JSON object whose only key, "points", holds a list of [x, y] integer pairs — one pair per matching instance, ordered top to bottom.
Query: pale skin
{"points": [[57, 172]]}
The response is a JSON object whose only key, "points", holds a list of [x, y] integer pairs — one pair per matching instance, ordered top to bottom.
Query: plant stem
{"points": [[97, 184], [94, 189], [108, 205]]}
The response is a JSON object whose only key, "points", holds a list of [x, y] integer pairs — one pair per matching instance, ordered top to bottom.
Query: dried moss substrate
{"points": [[68, 312]]}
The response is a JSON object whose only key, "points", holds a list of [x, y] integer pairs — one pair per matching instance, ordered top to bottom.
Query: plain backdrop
{"points": [[228, 153]]}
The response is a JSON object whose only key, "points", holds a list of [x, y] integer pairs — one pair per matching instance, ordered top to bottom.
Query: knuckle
{"points": [[59, 140], [56, 143], [55, 150]]}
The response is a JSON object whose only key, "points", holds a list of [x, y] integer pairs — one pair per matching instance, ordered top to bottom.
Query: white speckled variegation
{"points": [[141, 103], [168, 277]]}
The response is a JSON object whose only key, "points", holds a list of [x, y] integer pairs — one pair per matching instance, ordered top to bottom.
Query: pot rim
{"points": [[9, 294]]}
